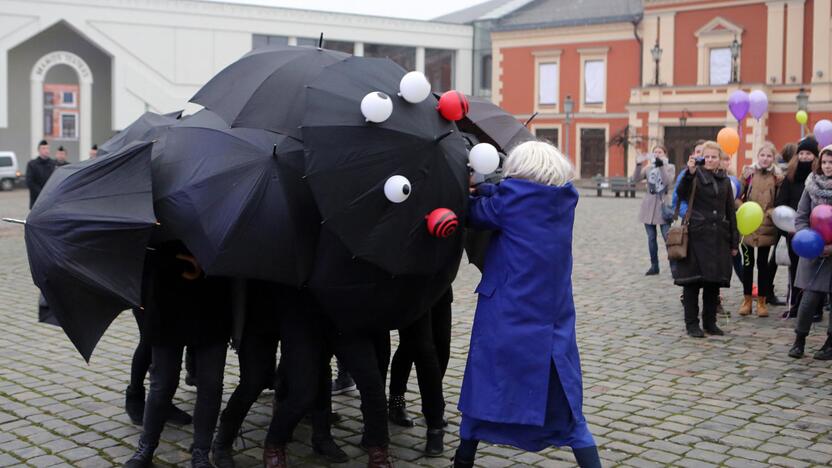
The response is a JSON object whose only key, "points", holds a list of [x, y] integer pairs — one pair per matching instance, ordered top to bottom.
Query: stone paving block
{"points": [[821, 458]]}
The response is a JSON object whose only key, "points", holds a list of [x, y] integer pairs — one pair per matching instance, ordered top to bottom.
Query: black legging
{"points": [[763, 275], [710, 301], [143, 355]]}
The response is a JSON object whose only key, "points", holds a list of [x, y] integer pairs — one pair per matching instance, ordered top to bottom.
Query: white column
{"points": [[292, 41], [794, 41], [774, 42], [667, 43], [820, 46], [359, 49], [420, 59], [463, 79], [4, 101], [36, 113], [85, 130]]}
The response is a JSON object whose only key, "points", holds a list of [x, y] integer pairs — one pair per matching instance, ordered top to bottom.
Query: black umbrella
{"points": [[266, 87], [491, 124], [149, 126], [349, 161], [236, 199], [86, 238]]}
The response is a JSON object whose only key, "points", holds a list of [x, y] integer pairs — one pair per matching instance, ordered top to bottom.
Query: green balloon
{"points": [[802, 117], [749, 217]]}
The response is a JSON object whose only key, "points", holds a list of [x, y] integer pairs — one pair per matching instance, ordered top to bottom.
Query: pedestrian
{"points": [[93, 151], [60, 157], [727, 167], [799, 168], [38, 171], [759, 184], [655, 207], [683, 207], [712, 239], [814, 276], [183, 307], [427, 344], [522, 384]]}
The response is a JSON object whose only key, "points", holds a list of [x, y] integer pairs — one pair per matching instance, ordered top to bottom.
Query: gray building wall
{"points": [[17, 137]]}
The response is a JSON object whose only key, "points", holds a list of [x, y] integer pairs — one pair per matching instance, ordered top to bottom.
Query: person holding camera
{"points": [[655, 207], [712, 239]]}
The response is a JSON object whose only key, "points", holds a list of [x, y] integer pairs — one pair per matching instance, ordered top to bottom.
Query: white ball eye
{"points": [[414, 87], [376, 107], [484, 158], [397, 189]]}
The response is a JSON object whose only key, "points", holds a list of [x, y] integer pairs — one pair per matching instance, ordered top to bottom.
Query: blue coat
{"points": [[525, 317]]}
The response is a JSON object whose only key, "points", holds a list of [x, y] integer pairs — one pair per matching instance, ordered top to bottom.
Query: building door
{"points": [[681, 141], [593, 152]]}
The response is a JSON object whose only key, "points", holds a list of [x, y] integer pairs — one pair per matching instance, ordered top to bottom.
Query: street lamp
{"points": [[656, 51], [735, 54], [802, 105], [568, 106], [683, 119]]}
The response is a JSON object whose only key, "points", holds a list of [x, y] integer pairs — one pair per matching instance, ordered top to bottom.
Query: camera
{"points": [[700, 161]]}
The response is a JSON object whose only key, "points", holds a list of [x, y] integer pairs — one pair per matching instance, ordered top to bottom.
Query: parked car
{"points": [[10, 174]]}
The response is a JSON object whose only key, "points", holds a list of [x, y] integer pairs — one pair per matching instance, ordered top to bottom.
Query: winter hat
{"points": [[43, 143], [808, 144], [61, 148], [826, 149]]}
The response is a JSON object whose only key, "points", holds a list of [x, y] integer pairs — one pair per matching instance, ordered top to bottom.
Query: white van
{"points": [[9, 170]]}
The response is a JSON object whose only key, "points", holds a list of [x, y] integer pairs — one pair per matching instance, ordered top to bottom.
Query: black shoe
{"points": [[654, 270], [772, 299], [792, 312], [714, 330], [694, 331], [798, 346], [825, 352], [342, 384], [134, 404], [396, 412], [178, 416], [435, 443], [328, 449], [222, 456], [143, 458], [199, 459], [459, 463]]}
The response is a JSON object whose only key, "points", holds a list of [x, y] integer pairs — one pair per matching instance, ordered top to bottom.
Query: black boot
{"points": [[654, 270], [772, 299], [691, 306], [709, 324], [798, 346], [825, 352], [134, 404], [397, 412], [435, 443], [328, 449], [222, 454], [143, 458], [199, 459], [460, 463]]}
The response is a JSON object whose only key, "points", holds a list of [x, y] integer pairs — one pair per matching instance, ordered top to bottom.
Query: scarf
{"points": [[655, 184], [819, 189]]}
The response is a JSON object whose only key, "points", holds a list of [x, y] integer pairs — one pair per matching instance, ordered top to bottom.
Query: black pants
{"points": [[763, 275], [710, 301], [427, 344], [143, 355], [257, 355], [164, 378]]}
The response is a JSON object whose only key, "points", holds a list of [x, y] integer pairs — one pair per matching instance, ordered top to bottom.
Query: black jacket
{"points": [[38, 171], [790, 192]]}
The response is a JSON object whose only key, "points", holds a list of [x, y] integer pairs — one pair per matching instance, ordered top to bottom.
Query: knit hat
{"points": [[43, 143], [808, 144], [826, 149]]}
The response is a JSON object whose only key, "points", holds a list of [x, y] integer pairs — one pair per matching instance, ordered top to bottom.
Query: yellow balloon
{"points": [[802, 117], [749, 217]]}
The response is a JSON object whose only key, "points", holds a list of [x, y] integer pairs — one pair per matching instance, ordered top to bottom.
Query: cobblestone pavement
{"points": [[653, 397]]}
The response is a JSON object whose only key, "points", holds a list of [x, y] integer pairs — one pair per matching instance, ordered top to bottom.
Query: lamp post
{"points": [[656, 51], [735, 54], [802, 105], [568, 106], [683, 119]]}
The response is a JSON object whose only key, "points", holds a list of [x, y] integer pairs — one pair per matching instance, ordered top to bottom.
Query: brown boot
{"points": [[745, 308], [762, 309], [274, 456], [378, 457]]}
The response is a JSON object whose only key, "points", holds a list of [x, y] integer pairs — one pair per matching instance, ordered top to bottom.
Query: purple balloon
{"points": [[738, 104], [758, 104], [823, 133], [807, 244]]}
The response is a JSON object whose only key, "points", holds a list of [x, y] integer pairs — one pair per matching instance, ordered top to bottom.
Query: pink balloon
{"points": [[758, 103], [738, 104], [823, 132], [821, 221]]}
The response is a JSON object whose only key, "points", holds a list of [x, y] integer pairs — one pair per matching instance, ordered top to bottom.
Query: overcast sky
{"points": [[415, 9]]}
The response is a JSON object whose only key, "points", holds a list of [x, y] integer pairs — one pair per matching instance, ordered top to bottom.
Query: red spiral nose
{"points": [[453, 105], [442, 223]]}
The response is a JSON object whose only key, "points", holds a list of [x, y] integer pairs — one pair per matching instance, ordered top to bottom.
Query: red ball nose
{"points": [[453, 105], [442, 223]]}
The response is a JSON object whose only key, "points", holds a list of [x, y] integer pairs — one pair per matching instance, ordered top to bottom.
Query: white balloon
{"points": [[414, 87], [377, 107], [484, 158], [397, 189], [783, 217]]}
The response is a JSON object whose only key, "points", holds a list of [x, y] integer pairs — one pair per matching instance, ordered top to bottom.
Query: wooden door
{"points": [[681, 141], [593, 152]]}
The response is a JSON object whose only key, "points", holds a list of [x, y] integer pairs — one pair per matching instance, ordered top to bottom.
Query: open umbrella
{"points": [[266, 87], [491, 124], [149, 126], [348, 162], [236, 199], [86, 238]]}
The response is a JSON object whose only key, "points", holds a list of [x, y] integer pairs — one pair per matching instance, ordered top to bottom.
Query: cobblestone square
{"points": [[653, 397]]}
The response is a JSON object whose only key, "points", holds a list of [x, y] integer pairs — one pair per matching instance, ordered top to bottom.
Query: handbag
{"points": [[677, 236], [781, 253]]}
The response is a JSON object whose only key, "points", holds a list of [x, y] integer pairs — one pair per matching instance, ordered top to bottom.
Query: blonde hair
{"points": [[712, 145], [768, 146], [539, 162]]}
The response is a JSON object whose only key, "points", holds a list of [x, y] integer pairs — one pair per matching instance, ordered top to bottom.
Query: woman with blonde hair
{"points": [[522, 384]]}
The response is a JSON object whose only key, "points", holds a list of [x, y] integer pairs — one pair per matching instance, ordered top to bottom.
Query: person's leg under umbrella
{"points": [[653, 249], [747, 278], [763, 281], [690, 301], [710, 302], [809, 303], [441, 323], [190, 367], [399, 375], [209, 377], [135, 393], [322, 441]]}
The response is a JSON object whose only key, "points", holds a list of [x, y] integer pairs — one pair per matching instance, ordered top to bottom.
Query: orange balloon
{"points": [[729, 140]]}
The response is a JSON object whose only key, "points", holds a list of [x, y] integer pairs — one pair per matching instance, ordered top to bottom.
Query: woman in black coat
{"points": [[712, 239], [183, 307]]}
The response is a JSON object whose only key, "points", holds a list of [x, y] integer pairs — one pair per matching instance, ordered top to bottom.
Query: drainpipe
{"points": [[636, 22]]}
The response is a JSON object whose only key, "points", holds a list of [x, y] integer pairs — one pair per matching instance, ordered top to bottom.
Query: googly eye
{"points": [[376, 107], [397, 189]]}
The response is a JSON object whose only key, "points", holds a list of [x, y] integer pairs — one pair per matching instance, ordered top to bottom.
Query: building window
{"points": [[263, 40], [307, 42], [340, 46], [404, 56], [720, 66], [439, 69], [485, 72], [594, 82], [547, 84], [68, 99], [47, 121], [68, 126], [549, 135]]}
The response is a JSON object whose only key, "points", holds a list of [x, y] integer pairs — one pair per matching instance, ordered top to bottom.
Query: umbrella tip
{"points": [[530, 119], [443, 136], [274, 151], [14, 221]]}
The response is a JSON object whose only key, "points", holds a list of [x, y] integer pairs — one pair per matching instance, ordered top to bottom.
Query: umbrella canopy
{"points": [[266, 87], [491, 124], [146, 128], [348, 162], [236, 199], [86, 238]]}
